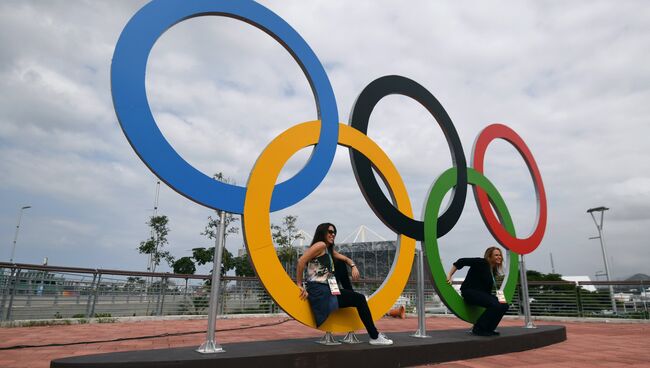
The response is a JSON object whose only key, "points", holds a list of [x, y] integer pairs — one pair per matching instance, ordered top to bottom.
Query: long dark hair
{"points": [[320, 234]]}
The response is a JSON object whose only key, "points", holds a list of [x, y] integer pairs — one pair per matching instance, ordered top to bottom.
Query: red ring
{"points": [[517, 245]]}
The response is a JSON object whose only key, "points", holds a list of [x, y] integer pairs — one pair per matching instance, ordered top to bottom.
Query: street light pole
{"points": [[20, 216], [599, 226]]}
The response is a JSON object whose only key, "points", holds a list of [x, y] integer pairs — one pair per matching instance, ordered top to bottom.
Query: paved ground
{"points": [[588, 344]]}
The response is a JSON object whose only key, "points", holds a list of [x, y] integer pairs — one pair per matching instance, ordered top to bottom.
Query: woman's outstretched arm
{"points": [[349, 262], [452, 271]]}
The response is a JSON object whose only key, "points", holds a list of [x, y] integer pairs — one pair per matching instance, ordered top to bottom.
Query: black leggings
{"points": [[349, 298], [494, 310]]}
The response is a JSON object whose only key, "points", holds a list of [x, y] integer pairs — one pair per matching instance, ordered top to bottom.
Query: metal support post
{"points": [[4, 286], [163, 286], [42, 287], [5, 289], [12, 294], [90, 295], [96, 296], [644, 296], [525, 299], [28, 302], [579, 302], [157, 307], [154, 310], [422, 329], [210, 345]]}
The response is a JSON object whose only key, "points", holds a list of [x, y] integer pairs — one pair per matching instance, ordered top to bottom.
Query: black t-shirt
{"points": [[479, 276]]}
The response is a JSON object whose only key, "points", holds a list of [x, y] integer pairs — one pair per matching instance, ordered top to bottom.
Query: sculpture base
{"points": [[443, 346]]}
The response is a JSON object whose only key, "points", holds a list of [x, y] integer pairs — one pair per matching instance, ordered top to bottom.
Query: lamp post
{"points": [[20, 216], [599, 226]]}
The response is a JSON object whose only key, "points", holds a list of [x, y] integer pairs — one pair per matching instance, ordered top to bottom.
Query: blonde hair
{"points": [[497, 269]]}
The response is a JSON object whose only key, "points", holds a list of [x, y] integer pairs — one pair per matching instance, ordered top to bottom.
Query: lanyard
{"points": [[331, 260]]}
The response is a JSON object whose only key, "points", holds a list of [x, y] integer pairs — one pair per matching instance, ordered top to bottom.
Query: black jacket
{"points": [[479, 276]]}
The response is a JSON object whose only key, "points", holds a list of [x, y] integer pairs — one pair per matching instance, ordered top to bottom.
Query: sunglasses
{"points": [[331, 232]]}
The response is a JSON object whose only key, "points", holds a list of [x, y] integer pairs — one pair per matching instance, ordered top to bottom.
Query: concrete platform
{"points": [[443, 346]]}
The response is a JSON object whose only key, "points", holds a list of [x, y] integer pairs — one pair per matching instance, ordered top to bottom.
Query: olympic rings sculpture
{"points": [[263, 195]]}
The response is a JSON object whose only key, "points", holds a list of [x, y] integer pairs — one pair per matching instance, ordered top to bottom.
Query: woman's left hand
{"points": [[355, 274], [303, 292]]}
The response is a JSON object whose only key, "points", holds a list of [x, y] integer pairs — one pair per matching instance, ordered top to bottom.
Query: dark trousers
{"points": [[342, 275], [349, 298], [494, 310]]}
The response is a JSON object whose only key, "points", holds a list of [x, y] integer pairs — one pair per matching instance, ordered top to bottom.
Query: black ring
{"points": [[383, 208]]}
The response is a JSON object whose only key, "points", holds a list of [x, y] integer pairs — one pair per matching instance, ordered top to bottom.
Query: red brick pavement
{"points": [[588, 344]]}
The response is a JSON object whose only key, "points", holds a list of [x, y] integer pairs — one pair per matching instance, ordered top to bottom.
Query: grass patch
{"points": [[106, 320], [44, 322]]}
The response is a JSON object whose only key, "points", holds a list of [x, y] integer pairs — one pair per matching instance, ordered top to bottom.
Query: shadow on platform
{"points": [[443, 346]]}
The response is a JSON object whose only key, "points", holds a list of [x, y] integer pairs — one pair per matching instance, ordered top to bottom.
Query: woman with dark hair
{"points": [[321, 288], [477, 289]]}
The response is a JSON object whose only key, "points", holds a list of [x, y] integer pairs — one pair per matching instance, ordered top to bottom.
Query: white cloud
{"points": [[570, 78]]}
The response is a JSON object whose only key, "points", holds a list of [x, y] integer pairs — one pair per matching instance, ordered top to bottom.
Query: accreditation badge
{"points": [[334, 286], [501, 297]]}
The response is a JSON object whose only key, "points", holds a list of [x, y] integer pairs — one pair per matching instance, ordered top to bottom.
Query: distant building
{"points": [[373, 259]]}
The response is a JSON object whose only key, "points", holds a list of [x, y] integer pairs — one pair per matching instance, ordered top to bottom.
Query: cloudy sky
{"points": [[572, 78]]}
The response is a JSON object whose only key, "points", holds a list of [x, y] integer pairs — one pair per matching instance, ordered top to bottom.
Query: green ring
{"points": [[447, 293]]}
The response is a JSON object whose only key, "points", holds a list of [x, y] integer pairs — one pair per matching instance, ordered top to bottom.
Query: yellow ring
{"points": [[257, 224]]}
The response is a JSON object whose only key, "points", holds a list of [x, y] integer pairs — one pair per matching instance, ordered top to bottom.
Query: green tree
{"points": [[212, 227], [283, 236], [156, 242], [206, 255], [184, 266], [243, 266], [532, 275], [550, 295]]}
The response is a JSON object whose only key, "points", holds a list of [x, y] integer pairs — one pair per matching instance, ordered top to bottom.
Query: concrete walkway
{"points": [[588, 344]]}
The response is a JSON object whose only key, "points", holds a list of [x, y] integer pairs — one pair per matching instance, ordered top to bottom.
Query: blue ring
{"points": [[134, 114]]}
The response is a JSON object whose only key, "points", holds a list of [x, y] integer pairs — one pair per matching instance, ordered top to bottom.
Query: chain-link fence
{"points": [[46, 292]]}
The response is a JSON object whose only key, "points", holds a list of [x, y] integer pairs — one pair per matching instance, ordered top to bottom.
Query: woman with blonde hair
{"points": [[477, 289]]}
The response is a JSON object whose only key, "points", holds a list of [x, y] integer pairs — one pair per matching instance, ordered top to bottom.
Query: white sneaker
{"points": [[381, 340]]}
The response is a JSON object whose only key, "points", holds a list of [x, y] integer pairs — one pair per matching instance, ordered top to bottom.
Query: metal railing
{"points": [[47, 292], [588, 299]]}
